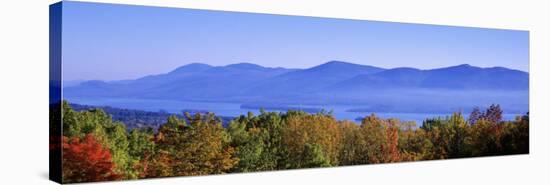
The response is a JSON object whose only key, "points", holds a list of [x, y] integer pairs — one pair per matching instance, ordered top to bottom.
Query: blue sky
{"points": [[115, 42]]}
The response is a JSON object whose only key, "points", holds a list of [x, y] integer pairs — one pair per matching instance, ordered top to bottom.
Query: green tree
{"points": [[450, 136], [257, 140], [140, 146], [314, 156]]}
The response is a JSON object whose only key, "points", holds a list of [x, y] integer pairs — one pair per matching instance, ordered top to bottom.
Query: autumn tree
{"points": [[493, 114], [474, 116], [433, 128], [317, 130], [457, 132], [112, 135], [449, 136], [492, 136], [515, 137], [486, 138], [381, 140], [414, 143], [96, 148], [199, 148], [351, 151], [87, 160], [158, 164]]}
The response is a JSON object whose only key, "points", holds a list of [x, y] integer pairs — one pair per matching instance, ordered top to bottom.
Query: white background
{"points": [[24, 90]]}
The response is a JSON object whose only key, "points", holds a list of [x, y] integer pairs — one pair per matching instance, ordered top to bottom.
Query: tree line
{"points": [[135, 119], [96, 148]]}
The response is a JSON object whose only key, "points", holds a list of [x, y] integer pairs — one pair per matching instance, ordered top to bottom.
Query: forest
{"points": [[135, 119], [96, 148]]}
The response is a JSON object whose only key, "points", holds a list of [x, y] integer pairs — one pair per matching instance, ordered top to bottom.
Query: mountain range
{"points": [[334, 82]]}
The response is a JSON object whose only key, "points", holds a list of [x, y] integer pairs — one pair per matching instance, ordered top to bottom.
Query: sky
{"points": [[118, 42]]}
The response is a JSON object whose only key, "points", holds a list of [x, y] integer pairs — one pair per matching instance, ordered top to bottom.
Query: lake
{"points": [[234, 109]]}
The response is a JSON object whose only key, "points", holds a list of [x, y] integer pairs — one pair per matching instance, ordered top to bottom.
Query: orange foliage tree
{"points": [[86, 161]]}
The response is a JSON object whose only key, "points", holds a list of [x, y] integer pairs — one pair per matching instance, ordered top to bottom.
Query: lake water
{"points": [[234, 109]]}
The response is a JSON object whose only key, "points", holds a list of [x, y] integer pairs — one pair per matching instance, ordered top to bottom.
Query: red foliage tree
{"points": [[392, 137], [86, 161]]}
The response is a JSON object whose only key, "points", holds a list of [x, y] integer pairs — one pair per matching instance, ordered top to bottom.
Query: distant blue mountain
{"points": [[191, 68], [461, 77], [313, 79], [192, 81], [334, 82]]}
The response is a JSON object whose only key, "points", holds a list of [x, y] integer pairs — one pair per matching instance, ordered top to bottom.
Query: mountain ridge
{"points": [[328, 83]]}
